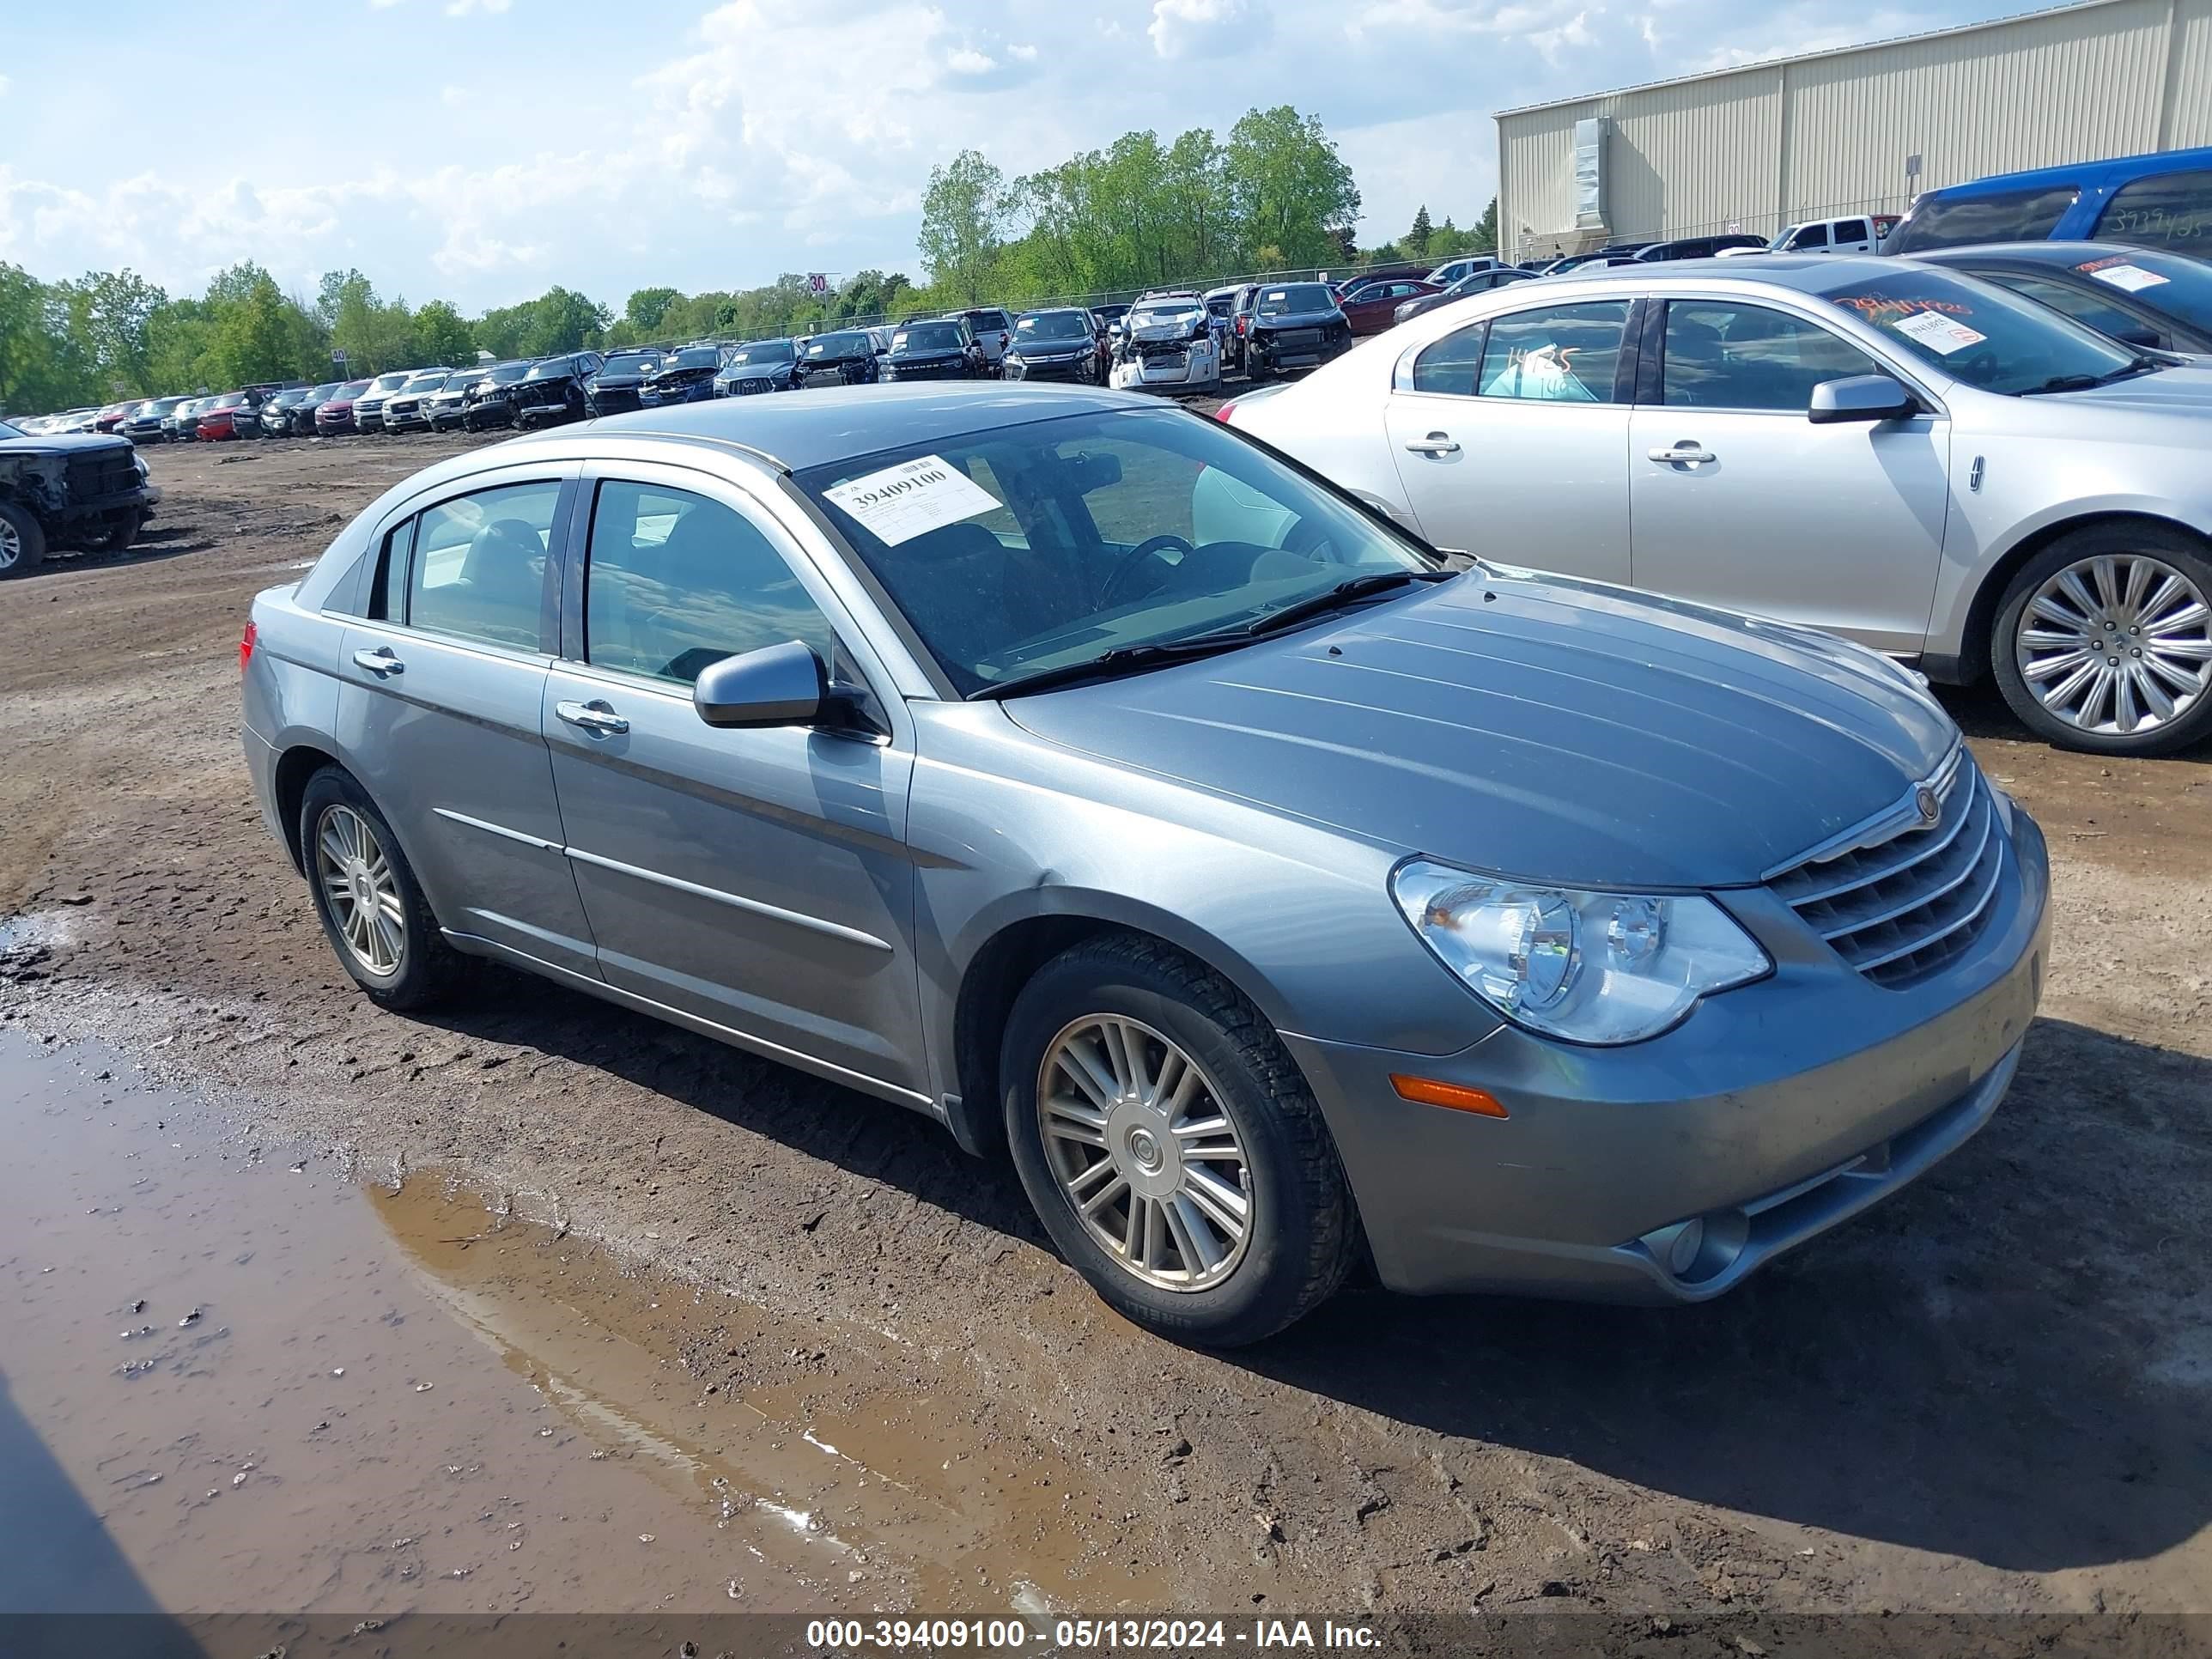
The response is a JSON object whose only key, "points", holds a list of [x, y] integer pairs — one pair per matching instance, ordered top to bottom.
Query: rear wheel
{"points": [[2104, 641], [366, 896], [1170, 1146]]}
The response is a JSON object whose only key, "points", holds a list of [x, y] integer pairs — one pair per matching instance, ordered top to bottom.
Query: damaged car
{"points": [[1294, 326], [1167, 340], [1058, 344], [944, 349], [848, 356], [760, 366], [681, 377], [61, 490]]}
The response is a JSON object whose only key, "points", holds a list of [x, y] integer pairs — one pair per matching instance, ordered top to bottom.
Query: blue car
{"points": [[2161, 201]]}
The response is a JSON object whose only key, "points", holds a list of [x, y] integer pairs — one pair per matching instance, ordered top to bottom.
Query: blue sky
{"points": [[480, 150]]}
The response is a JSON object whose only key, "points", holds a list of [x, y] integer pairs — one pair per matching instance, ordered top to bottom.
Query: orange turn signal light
{"points": [[1455, 1095]]}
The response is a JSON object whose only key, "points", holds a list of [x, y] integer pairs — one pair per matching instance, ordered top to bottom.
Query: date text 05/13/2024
{"points": [[1166, 1635]]}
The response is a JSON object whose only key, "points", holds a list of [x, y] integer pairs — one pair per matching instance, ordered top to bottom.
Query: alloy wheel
{"points": [[11, 545], [2119, 644], [364, 898], [1145, 1152]]}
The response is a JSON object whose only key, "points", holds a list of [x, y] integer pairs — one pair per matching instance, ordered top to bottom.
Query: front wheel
{"points": [[22, 540], [2104, 641], [366, 896], [1170, 1146]]}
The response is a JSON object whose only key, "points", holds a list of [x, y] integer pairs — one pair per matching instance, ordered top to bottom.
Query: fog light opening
{"points": [[1701, 1247], [1682, 1251]]}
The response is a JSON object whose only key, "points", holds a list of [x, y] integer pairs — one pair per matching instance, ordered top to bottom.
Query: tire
{"points": [[1255, 370], [118, 538], [22, 541], [2146, 572], [424, 968], [1299, 1233]]}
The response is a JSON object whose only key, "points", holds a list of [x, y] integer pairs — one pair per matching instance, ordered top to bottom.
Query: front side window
{"points": [[2173, 211], [2013, 215], [1808, 238], [2080, 304], [1978, 332], [1555, 354], [1721, 355], [1026, 548], [478, 568], [676, 582]]}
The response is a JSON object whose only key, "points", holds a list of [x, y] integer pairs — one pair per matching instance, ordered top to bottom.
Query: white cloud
{"points": [[463, 8], [1203, 28], [1021, 54], [967, 61], [5, 84]]}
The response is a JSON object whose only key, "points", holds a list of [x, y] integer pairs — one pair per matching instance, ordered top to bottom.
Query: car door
{"points": [[1510, 437], [1738, 500], [441, 685], [756, 879]]}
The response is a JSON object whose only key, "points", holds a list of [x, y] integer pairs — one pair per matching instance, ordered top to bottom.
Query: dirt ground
{"points": [[1990, 1394]]}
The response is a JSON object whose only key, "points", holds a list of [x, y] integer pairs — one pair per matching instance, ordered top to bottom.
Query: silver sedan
{"points": [[1925, 462], [1070, 770]]}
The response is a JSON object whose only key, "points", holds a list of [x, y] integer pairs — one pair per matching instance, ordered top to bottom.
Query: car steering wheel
{"points": [[1109, 590]]}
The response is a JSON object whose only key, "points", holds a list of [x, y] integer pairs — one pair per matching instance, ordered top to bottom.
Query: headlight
{"points": [[1599, 968]]}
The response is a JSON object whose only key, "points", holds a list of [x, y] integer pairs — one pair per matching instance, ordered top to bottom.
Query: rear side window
{"points": [[2172, 211], [2019, 216], [1851, 230], [1555, 354], [1448, 365], [477, 571], [677, 582]]}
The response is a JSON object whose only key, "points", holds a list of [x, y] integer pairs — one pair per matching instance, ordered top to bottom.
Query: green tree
{"points": [[1291, 190], [963, 221], [1486, 230], [1417, 239], [647, 309], [117, 310], [443, 336], [253, 338]]}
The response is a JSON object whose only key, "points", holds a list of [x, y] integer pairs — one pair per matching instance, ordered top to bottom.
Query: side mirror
{"points": [[1861, 398], [776, 685]]}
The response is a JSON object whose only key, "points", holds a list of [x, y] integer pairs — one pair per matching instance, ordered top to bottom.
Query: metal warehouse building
{"points": [[1862, 128]]}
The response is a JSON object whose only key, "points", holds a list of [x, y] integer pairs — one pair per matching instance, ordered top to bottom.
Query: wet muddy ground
{"points": [[1991, 1393]]}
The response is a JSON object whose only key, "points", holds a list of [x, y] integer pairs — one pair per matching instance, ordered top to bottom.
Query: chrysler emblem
{"points": [[1930, 808]]}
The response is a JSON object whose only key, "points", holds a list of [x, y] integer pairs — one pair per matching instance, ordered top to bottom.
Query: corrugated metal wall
{"points": [[1758, 147]]}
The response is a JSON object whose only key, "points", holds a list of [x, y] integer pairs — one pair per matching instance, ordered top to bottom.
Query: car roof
{"points": [[2112, 170], [2035, 254], [1809, 273], [834, 423]]}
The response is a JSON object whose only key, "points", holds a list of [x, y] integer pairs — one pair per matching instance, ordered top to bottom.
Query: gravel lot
{"points": [[1989, 1395]]}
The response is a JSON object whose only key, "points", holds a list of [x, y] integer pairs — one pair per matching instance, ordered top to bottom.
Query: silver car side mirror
{"points": [[1865, 398], [776, 685]]}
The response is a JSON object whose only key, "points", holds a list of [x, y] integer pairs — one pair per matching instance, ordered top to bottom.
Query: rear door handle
{"points": [[1436, 443], [1688, 451], [380, 661], [596, 715]]}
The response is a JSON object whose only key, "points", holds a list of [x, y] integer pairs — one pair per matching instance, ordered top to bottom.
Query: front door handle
{"points": [[1436, 443], [1690, 451], [380, 661], [596, 715]]}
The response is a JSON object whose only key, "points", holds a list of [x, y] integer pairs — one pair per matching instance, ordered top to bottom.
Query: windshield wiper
{"points": [[2139, 364], [1346, 593], [1123, 659]]}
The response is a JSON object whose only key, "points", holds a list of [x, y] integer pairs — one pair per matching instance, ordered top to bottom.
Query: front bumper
{"points": [[1200, 364], [1019, 367], [694, 392], [611, 400], [405, 420], [1773, 1113]]}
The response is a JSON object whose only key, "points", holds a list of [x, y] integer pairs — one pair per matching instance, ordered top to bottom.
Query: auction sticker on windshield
{"points": [[2132, 278], [1939, 333], [912, 499]]}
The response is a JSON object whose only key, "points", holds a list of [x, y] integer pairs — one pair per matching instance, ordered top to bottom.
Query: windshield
{"points": [[2165, 283], [1299, 296], [1167, 313], [1053, 326], [1979, 333], [928, 337], [840, 345], [768, 351], [693, 357], [630, 363], [552, 369], [390, 382], [328, 389], [352, 389], [8, 431], [1016, 551]]}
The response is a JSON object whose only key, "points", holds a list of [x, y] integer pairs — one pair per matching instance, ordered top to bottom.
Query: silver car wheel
{"points": [[11, 545], [2117, 644], [364, 899], [1145, 1152]]}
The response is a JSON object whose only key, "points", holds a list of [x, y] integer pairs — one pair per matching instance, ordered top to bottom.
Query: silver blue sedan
{"points": [[1079, 773]]}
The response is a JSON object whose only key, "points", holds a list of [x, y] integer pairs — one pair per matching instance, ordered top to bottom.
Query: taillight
{"points": [[1240, 327], [1220, 414], [245, 644]]}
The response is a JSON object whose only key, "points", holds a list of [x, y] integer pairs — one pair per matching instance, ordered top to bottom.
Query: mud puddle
{"points": [[235, 1380]]}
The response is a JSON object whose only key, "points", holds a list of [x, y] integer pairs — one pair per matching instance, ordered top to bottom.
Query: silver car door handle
{"points": [[1436, 443], [1687, 450], [378, 661], [596, 715]]}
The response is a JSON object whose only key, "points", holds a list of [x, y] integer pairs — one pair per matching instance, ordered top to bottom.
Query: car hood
{"points": [[927, 354], [2184, 391], [60, 443], [1539, 727]]}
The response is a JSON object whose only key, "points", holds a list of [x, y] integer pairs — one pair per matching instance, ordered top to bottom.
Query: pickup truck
{"points": [[83, 492]]}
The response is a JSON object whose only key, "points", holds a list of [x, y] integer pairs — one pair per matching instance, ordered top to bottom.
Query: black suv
{"points": [[1293, 324], [941, 349], [848, 354], [615, 388], [552, 390], [83, 491]]}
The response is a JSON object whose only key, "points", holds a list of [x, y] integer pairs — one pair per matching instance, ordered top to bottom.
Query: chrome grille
{"points": [[1908, 896]]}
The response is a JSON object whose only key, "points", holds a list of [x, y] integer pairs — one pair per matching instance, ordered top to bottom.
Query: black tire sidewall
{"points": [[30, 533], [2174, 546], [427, 961], [1278, 1280]]}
